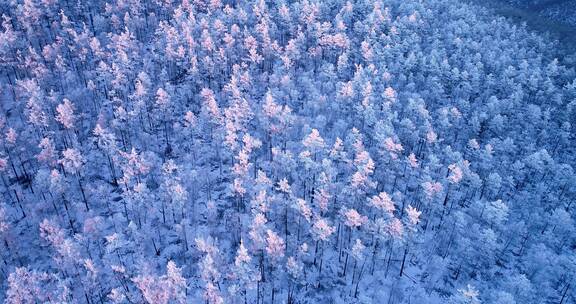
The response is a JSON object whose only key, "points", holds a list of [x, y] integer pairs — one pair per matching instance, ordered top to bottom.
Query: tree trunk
{"points": [[403, 261]]}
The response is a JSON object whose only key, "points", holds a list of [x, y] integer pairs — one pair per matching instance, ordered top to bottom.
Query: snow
{"points": [[195, 151]]}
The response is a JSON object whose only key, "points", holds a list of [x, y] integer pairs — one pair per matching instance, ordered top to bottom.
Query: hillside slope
{"points": [[196, 151]]}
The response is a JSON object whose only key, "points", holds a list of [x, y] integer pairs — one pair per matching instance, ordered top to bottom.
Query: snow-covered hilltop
{"points": [[195, 151]]}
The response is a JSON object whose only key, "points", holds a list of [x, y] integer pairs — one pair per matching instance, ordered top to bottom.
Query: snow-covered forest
{"points": [[555, 10], [297, 151]]}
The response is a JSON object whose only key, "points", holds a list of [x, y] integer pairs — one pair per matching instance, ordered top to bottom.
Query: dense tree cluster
{"points": [[220, 151]]}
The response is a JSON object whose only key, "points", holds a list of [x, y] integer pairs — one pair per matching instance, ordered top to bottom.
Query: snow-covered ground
{"points": [[563, 11]]}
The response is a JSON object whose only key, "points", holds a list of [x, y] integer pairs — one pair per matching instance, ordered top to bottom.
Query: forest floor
{"points": [[563, 32]]}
